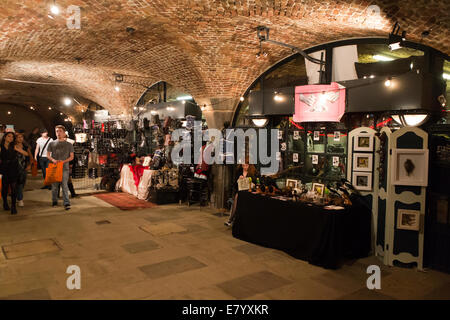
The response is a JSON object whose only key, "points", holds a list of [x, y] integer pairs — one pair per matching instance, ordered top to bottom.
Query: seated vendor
{"points": [[244, 171]]}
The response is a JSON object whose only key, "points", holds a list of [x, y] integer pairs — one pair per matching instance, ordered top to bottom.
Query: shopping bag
{"points": [[34, 169], [54, 173]]}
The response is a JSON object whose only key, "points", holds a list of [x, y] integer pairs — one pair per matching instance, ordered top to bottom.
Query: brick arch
{"points": [[207, 47]]}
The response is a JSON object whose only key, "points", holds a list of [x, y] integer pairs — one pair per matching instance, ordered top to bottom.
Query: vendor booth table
{"points": [[305, 231]]}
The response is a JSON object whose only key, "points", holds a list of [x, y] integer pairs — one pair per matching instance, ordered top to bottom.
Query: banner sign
{"points": [[323, 102]]}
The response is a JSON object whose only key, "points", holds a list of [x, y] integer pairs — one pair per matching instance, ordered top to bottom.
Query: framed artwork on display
{"points": [[363, 142], [362, 161], [409, 167], [362, 181], [291, 183], [243, 184], [318, 188], [408, 219]]}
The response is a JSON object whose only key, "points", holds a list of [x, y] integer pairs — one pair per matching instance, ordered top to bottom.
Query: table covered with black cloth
{"points": [[305, 231]]}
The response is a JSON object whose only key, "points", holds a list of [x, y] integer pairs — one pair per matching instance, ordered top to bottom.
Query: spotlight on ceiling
{"points": [[54, 9], [396, 41], [117, 88], [278, 97], [241, 98], [67, 101], [49, 108], [9, 112], [60, 113]]}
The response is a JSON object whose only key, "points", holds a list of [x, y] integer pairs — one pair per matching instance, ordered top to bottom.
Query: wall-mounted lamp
{"points": [[412, 120], [260, 122]]}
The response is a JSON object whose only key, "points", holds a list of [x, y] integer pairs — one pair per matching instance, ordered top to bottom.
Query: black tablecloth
{"points": [[308, 232]]}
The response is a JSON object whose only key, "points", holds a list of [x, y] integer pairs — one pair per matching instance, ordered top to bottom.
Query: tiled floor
{"points": [[182, 253]]}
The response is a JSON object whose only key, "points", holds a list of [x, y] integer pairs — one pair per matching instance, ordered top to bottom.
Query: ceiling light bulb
{"points": [[54, 9], [372, 76], [387, 83], [117, 88], [241, 98], [67, 101], [49, 108], [9, 112], [60, 113]]}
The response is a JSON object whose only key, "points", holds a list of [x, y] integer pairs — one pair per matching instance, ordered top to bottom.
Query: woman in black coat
{"points": [[9, 169]]}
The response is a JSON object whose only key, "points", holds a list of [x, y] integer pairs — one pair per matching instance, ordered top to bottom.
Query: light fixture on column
{"points": [[388, 82]]}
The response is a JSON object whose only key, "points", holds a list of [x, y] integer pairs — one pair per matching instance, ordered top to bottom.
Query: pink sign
{"points": [[322, 102]]}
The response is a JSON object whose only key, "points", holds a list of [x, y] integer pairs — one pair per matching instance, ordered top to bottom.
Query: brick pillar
{"points": [[217, 112]]}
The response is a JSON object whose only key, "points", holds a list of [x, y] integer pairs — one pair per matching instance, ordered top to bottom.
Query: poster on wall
{"points": [[315, 103]]}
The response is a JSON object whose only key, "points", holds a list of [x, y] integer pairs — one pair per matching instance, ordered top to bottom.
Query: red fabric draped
{"points": [[138, 171]]}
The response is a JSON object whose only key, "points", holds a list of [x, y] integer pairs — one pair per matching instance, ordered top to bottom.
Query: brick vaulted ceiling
{"points": [[205, 47]]}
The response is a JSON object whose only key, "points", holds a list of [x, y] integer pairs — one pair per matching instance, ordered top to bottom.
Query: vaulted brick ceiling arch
{"points": [[205, 47]]}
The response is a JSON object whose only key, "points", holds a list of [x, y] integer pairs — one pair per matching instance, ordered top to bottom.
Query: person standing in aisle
{"points": [[61, 151], [40, 154], [24, 156], [9, 169]]}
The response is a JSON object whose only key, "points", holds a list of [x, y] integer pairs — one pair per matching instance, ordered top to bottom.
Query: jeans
{"points": [[43, 162], [65, 189]]}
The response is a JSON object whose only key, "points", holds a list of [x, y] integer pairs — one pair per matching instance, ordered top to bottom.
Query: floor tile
{"points": [[142, 246], [169, 267]]}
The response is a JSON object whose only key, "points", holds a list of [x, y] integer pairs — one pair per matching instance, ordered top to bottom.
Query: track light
{"points": [[54, 9], [396, 41], [67, 101]]}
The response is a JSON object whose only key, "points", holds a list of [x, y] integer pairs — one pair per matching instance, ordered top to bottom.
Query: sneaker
{"points": [[20, 203], [54, 203], [67, 206], [227, 223]]}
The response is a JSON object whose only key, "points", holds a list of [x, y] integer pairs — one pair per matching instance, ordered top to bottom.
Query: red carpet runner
{"points": [[124, 201]]}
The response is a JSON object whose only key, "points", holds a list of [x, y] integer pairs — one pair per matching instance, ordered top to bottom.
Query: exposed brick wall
{"points": [[205, 47]]}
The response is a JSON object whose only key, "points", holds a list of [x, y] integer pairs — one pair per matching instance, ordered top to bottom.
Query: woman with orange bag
{"points": [[9, 169]]}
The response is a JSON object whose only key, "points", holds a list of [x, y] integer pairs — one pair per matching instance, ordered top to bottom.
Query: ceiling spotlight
{"points": [[54, 9], [396, 41], [372, 76], [365, 77], [117, 88], [241, 98], [67, 101], [32, 108], [49, 108], [135, 108], [9, 112], [60, 113]]}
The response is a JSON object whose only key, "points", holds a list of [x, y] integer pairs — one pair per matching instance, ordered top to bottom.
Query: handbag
{"points": [[54, 173]]}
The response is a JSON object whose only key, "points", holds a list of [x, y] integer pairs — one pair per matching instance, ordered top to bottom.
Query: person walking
{"points": [[61, 151], [40, 154], [24, 156], [9, 169], [69, 183]]}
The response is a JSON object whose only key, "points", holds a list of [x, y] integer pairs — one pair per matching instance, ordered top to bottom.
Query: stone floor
{"points": [[171, 252]]}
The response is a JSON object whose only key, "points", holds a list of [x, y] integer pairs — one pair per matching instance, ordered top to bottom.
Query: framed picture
{"points": [[296, 135], [316, 135], [337, 135], [363, 142], [295, 157], [314, 159], [362, 161], [409, 167], [362, 181], [291, 183], [243, 184], [318, 188], [408, 219]]}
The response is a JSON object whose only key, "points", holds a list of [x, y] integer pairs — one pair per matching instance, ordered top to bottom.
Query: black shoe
{"points": [[44, 187], [48, 187], [74, 195], [54, 203], [67, 206], [6, 207], [13, 210]]}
